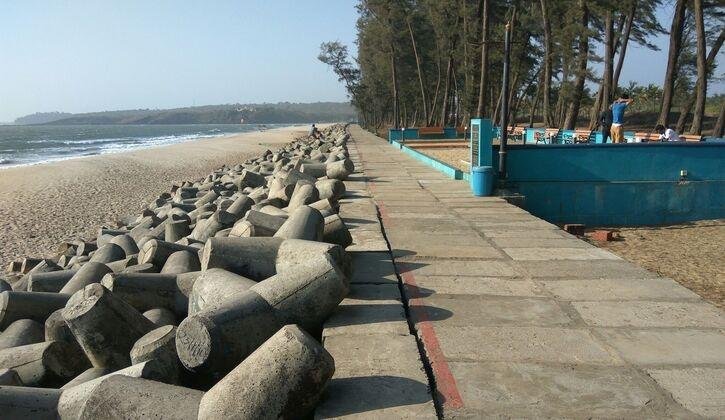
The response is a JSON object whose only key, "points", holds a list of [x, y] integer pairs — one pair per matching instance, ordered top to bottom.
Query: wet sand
{"points": [[45, 204]]}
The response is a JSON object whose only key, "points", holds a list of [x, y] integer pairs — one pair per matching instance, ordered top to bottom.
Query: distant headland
{"points": [[279, 113]]}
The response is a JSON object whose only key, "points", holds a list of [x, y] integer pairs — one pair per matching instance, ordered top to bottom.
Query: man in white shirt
{"points": [[667, 134]]}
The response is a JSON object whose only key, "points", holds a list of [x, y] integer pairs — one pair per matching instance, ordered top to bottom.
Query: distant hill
{"points": [[283, 112], [42, 118]]}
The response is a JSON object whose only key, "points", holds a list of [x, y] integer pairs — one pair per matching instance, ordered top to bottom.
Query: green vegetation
{"points": [[440, 62], [283, 112]]}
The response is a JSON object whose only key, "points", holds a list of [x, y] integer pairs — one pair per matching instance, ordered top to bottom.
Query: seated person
{"points": [[314, 132], [667, 134]]}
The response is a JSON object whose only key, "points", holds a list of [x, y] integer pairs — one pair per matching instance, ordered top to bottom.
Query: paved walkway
{"points": [[513, 317]]}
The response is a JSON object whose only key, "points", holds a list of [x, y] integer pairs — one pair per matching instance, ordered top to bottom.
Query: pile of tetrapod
{"points": [[204, 306]]}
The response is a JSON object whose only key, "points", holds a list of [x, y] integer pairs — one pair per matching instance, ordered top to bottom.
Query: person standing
{"points": [[618, 108], [605, 123]]}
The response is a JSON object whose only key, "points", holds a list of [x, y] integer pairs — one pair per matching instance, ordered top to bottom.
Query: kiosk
{"points": [[481, 142], [481, 157]]}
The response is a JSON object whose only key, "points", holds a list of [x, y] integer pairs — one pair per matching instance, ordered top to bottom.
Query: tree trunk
{"points": [[678, 22], [624, 40], [608, 60], [547, 63], [466, 75], [483, 85], [701, 86], [563, 88], [446, 91], [423, 94], [396, 99], [535, 99], [434, 103], [685, 111], [572, 113], [719, 130]]}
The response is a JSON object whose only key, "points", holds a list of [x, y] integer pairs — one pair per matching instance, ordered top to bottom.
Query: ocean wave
{"points": [[43, 146]]}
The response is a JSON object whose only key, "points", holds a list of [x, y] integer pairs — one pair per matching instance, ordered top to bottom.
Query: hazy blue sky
{"points": [[80, 56]]}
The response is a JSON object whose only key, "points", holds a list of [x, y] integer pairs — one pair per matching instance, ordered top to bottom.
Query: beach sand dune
{"points": [[43, 205]]}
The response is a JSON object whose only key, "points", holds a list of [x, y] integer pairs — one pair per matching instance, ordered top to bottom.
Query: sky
{"points": [[84, 56]]}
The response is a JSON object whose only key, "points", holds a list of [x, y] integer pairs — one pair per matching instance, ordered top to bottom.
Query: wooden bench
{"points": [[429, 131], [516, 133], [548, 134], [577, 136], [583, 136], [647, 137], [655, 137], [690, 137]]}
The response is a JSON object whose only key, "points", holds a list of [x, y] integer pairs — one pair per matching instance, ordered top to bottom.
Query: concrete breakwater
{"points": [[206, 305]]}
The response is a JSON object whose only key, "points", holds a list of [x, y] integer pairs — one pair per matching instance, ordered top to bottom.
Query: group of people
{"points": [[612, 118]]}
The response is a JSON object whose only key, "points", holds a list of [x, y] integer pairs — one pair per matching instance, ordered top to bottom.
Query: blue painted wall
{"points": [[396, 134], [430, 161], [620, 184]]}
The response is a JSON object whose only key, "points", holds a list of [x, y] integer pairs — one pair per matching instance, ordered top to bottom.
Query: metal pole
{"points": [[504, 103]]}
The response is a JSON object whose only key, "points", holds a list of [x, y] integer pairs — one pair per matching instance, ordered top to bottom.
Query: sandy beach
{"points": [[45, 204]]}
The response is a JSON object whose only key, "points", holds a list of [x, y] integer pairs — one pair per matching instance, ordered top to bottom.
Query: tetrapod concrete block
{"points": [[304, 223], [253, 258], [29, 305], [97, 317], [22, 332], [213, 341], [45, 364], [282, 379]]}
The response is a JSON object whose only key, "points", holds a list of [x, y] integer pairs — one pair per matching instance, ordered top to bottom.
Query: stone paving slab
{"points": [[524, 234], [534, 242], [548, 254], [373, 268], [485, 268], [582, 269], [473, 285], [618, 289], [470, 310], [650, 314], [515, 318], [525, 344], [667, 346], [376, 376], [697, 389], [527, 390]]}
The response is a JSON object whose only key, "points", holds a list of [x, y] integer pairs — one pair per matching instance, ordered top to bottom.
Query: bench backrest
{"points": [[430, 130]]}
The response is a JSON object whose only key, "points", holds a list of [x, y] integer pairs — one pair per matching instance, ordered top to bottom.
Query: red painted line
{"points": [[444, 379], [445, 382]]}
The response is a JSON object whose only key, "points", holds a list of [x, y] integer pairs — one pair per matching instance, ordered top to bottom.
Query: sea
{"points": [[33, 144]]}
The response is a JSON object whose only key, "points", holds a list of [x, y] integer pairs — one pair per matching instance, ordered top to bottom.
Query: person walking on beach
{"points": [[618, 108], [605, 123]]}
